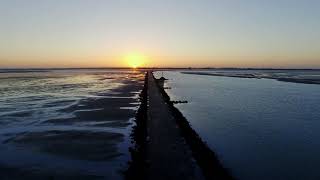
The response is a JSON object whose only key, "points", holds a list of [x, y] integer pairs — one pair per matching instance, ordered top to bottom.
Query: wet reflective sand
{"points": [[67, 123]]}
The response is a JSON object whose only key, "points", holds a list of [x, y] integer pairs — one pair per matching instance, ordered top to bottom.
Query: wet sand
{"points": [[105, 108], [90, 144], [86, 145], [14, 173]]}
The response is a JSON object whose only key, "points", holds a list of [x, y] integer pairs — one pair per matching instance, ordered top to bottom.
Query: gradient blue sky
{"points": [[224, 33]]}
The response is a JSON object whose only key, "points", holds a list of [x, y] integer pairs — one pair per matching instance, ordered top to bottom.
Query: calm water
{"points": [[67, 122], [260, 128]]}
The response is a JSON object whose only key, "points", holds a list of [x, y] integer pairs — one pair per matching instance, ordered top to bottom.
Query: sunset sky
{"points": [[166, 33]]}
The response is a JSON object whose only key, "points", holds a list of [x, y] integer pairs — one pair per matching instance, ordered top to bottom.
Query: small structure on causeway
{"points": [[161, 80]]}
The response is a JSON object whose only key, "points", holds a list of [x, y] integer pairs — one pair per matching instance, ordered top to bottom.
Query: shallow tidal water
{"points": [[67, 123], [259, 128]]}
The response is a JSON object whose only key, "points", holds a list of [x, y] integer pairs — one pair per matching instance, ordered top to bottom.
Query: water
{"points": [[67, 123], [260, 128]]}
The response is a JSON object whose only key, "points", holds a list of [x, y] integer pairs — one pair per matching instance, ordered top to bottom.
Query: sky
{"points": [[167, 33]]}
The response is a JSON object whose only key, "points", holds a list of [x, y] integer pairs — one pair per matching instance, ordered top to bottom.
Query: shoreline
{"points": [[137, 165]]}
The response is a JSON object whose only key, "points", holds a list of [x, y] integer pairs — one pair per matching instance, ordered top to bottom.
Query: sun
{"points": [[135, 60]]}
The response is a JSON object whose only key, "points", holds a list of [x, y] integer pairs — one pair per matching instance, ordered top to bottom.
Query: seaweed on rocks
{"points": [[204, 156], [137, 165]]}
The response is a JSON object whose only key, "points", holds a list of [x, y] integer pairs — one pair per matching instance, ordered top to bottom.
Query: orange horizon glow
{"points": [[71, 34], [139, 60]]}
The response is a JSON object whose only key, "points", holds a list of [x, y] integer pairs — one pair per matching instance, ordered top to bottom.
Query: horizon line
{"points": [[230, 68]]}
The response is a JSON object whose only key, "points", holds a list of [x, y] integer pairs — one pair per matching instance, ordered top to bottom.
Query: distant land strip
{"points": [[151, 68], [248, 75]]}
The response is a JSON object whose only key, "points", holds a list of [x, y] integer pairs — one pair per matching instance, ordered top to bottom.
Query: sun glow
{"points": [[135, 60]]}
